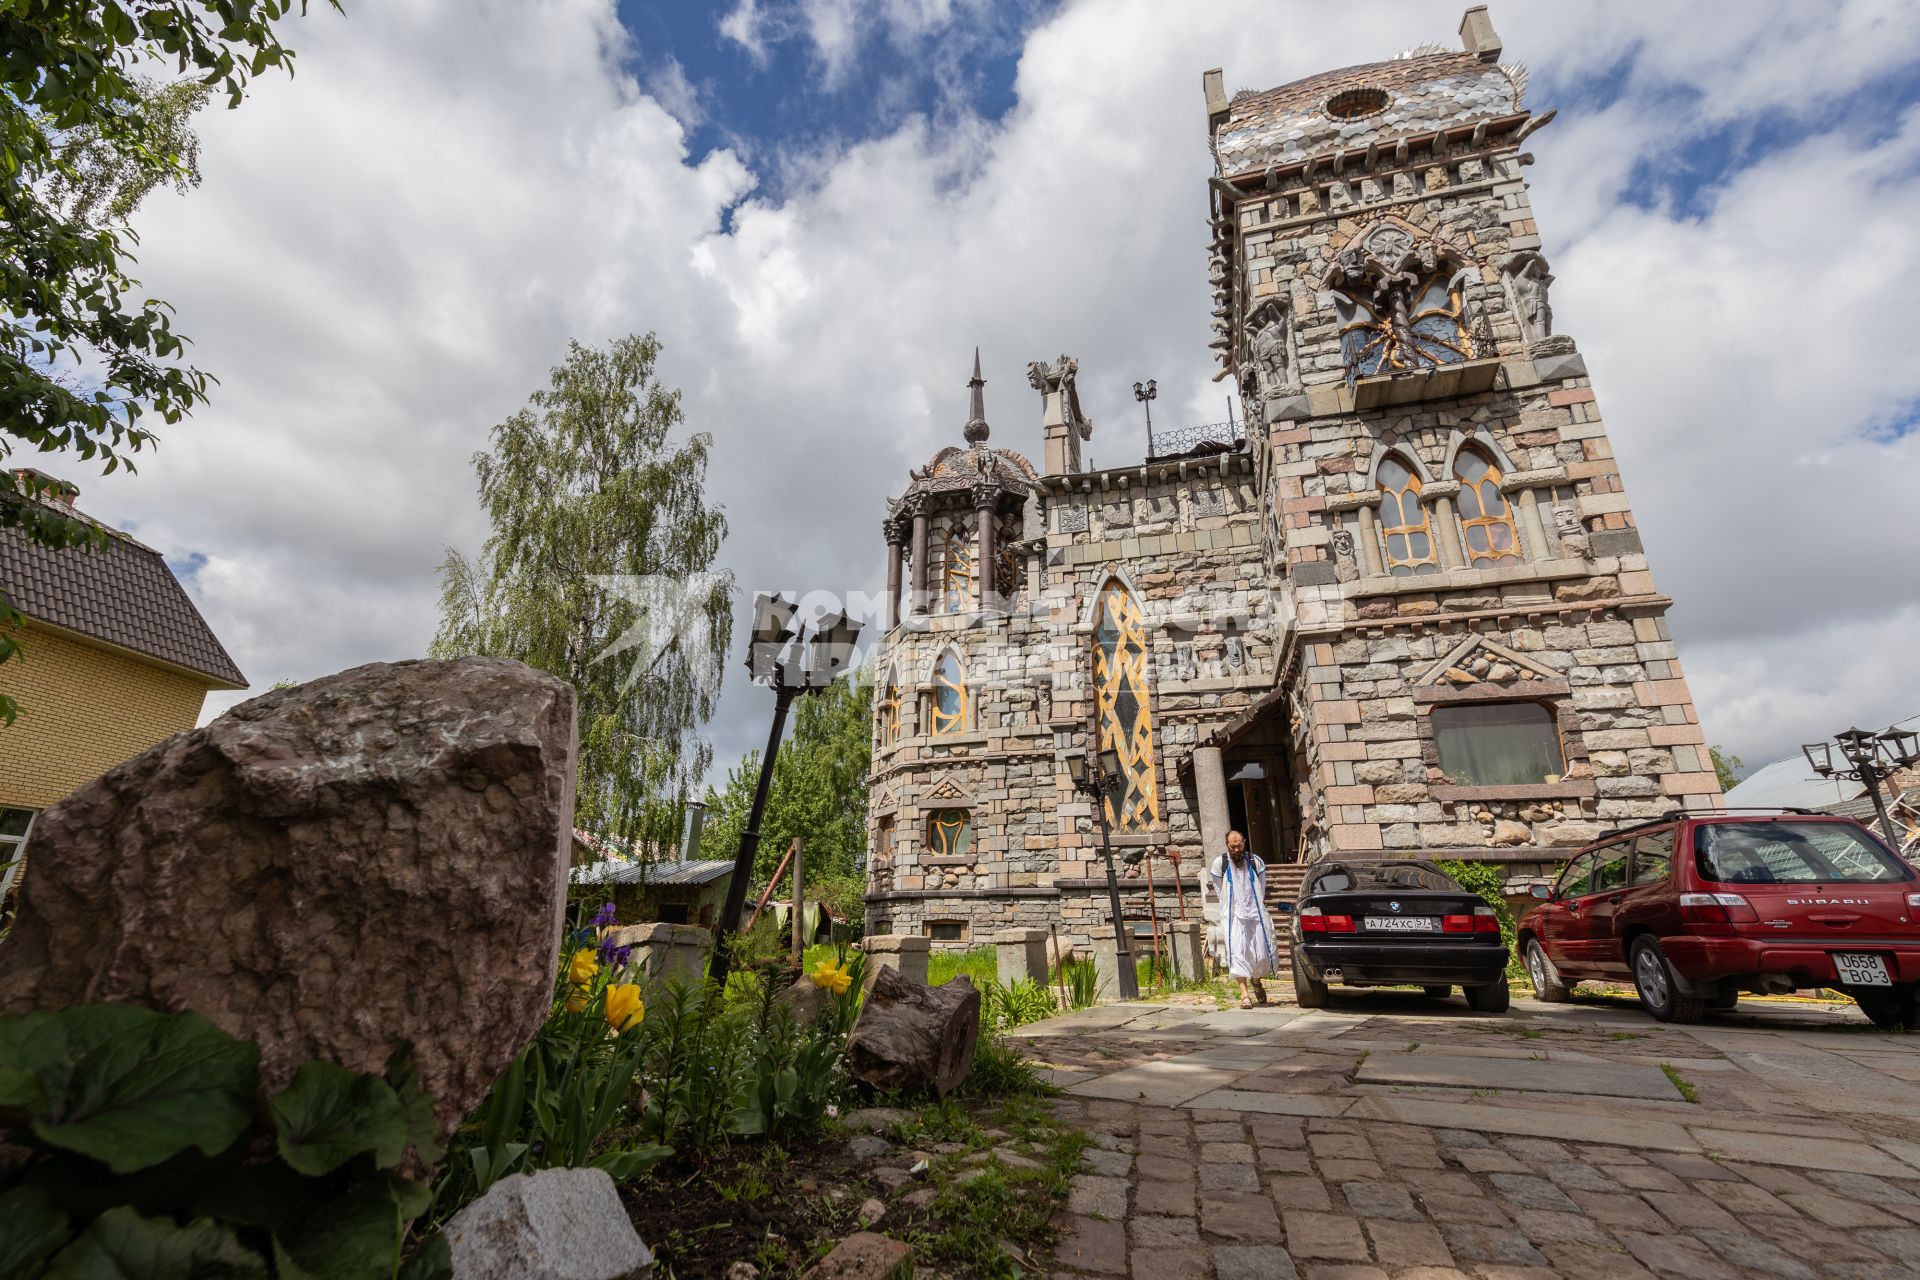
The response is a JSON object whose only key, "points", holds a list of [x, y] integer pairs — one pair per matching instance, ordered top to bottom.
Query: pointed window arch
{"points": [[1486, 517], [1406, 532], [959, 571], [952, 701], [888, 712], [1123, 713]]}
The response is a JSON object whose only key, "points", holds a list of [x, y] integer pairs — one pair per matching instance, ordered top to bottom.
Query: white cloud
{"points": [[390, 250]]}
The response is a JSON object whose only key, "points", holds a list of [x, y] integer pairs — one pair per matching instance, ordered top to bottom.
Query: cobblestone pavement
{"points": [[1394, 1136]]}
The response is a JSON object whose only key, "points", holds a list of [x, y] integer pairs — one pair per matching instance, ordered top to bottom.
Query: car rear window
{"points": [[1791, 853], [1339, 877]]}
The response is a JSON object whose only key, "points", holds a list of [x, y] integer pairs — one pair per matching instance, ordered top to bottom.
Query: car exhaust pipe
{"points": [[1329, 975]]}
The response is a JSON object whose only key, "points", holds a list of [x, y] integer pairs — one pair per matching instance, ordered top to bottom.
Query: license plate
{"points": [[1402, 924], [1862, 970]]}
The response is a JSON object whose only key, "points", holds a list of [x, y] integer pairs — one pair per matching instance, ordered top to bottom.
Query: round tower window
{"points": [[1352, 104]]}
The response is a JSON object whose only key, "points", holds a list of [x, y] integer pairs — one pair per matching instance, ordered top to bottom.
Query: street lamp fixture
{"points": [[1145, 394], [779, 654], [1870, 758], [1098, 780]]}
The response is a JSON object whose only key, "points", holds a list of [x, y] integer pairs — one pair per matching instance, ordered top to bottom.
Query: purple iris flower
{"points": [[602, 917]]}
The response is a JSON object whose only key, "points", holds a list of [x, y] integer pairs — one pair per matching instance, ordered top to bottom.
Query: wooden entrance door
{"points": [[1253, 805]]}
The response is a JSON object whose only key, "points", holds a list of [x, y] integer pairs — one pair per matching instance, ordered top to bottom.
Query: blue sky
{"points": [[766, 88]]}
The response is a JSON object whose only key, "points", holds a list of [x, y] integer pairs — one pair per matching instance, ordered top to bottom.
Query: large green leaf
{"points": [[127, 1086], [329, 1115], [423, 1128], [624, 1166], [81, 1189], [33, 1230], [355, 1237], [122, 1245], [432, 1260]]}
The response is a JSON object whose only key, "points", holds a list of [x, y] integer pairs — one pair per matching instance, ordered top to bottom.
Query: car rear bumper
{"points": [[1808, 962], [1466, 964]]}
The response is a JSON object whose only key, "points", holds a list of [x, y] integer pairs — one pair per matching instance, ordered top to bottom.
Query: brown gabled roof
{"points": [[125, 596]]}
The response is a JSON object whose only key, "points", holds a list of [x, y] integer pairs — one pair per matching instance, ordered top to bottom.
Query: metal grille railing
{"points": [[1211, 437]]}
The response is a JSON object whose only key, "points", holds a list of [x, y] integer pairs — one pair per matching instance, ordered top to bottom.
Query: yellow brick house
{"points": [[115, 659]]}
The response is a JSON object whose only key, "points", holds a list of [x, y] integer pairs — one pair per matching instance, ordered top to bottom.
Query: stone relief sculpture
{"points": [[1527, 280], [1271, 346], [1574, 543], [1344, 566]]}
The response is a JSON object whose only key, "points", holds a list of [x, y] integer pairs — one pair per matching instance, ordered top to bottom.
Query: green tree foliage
{"points": [[85, 134], [600, 571], [1726, 767], [819, 792]]}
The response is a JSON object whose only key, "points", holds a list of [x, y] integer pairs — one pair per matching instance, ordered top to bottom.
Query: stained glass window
{"points": [[1377, 337], [1486, 517], [1405, 531], [958, 570], [951, 701], [889, 712], [1124, 715], [949, 833]]}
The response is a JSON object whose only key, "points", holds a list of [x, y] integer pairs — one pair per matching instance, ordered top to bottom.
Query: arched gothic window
{"points": [[1486, 517], [1406, 532], [958, 572], [952, 703], [889, 711], [1123, 713], [949, 833]]}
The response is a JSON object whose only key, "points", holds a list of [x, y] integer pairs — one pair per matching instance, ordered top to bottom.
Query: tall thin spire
{"points": [[976, 428]]}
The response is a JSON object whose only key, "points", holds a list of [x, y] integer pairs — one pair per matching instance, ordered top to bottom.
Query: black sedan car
{"points": [[1381, 924]]}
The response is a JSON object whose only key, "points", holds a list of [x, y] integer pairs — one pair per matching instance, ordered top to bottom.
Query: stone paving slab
{"points": [[1542, 1076], [1166, 1084], [1244, 1101], [1575, 1127], [1799, 1153]]}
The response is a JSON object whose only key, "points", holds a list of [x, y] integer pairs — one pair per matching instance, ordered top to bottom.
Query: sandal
{"points": [[1259, 994], [1246, 1002]]}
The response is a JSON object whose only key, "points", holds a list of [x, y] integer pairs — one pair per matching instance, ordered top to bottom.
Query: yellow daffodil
{"points": [[582, 967], [832, 977], [577, 1000], [625, 1010]]}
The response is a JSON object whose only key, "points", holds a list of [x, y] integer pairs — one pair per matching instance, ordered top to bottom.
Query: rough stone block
{"points": [[557, 1224]]}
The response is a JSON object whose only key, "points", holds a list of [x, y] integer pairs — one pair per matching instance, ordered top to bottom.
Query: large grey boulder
{"points": [[374, 857], [911, 1036], [557, 1224]]}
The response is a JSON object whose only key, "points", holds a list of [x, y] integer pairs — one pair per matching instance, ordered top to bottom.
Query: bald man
{"points": [[1240, 883]]}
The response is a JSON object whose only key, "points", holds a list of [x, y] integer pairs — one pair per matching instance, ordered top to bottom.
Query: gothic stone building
{"points": [[1400, 610]]}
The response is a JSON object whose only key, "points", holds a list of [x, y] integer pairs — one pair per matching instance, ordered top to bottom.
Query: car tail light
{"points": [[1913, 902], [1716, 908], [1314, 920], [1481, 921]]}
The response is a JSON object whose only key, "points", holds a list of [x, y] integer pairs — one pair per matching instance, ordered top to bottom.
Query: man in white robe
{"points": [[1240, 883]]}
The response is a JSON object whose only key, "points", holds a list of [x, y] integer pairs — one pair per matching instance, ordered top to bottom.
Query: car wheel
{"points": [[1547, 986], [1308, 991], [1437, 991], [1659, 993], [1489, 999], [1889, 1009]]}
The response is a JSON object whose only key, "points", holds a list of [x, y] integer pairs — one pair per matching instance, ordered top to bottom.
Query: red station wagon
{"points": [[1695, 909]]}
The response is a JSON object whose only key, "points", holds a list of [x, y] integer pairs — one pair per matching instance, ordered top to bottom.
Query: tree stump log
{"points": [[911, 1036]]}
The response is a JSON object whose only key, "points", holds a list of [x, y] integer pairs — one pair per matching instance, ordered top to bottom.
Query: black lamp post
{"points": [[1145, 395], [781, 656], [1870, 758], [1102, 780]]}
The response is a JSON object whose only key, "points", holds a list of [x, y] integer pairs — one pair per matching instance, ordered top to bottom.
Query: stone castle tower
{"points": [[1401, 609]]}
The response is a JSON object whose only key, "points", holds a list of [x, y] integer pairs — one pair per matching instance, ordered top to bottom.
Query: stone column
{"points": [[984, 498], [1445, 524], [1535, 533], [896, 535], [1370, 544], [917, 587], [1210, 795], [1183, 940], [905, 952], [1021, 954], [1106, 964]]}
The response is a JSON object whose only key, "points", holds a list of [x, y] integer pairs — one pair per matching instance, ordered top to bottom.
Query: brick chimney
{"points": [[1477, 35], [50, 489]]}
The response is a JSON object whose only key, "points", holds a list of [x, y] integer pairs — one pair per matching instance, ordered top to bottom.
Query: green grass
{"points": [[979, 964], [1680, 1082], [977, 1213]]}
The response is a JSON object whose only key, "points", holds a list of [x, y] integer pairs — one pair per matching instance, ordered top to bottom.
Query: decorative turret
{"points": [[976, 429]]}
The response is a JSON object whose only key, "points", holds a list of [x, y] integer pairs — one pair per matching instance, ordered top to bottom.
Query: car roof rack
{"points": [[1675, 815]]}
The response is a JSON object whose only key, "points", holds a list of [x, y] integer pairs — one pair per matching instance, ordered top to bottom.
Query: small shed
{"points": [[668, 892]]}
